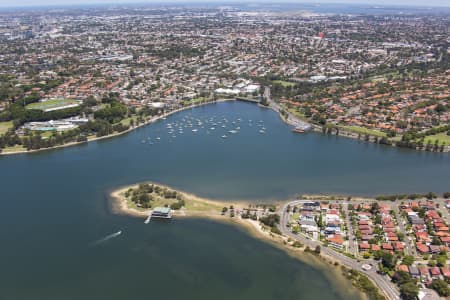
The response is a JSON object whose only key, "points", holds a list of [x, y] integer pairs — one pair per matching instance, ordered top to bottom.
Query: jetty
{"points": [[148, 219]]}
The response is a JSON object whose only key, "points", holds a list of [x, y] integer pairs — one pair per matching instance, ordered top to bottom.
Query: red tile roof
{"points": [[364, 246], [387, 246], [422, 248]]}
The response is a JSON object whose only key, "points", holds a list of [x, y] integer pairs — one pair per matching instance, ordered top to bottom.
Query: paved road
{"points": [[291, 119], [443, 209], [351, 236], [409, 249], [383, 282]]}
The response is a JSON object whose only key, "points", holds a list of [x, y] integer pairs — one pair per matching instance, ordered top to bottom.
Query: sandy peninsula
{"points": [[197, 207]]}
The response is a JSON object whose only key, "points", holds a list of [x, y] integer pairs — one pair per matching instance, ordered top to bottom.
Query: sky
{"points": [[371, 2]]}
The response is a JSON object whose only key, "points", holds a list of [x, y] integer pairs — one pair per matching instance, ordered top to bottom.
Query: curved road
{"points": [[383, 282]]}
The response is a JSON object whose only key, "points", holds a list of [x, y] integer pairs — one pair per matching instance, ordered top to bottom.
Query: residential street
{"points": [[381, 281]]}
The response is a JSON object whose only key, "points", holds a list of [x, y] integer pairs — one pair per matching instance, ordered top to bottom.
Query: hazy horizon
{"points": [[24, 3]]}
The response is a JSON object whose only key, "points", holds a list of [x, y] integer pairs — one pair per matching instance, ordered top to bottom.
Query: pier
{"points": [[148, 219]]}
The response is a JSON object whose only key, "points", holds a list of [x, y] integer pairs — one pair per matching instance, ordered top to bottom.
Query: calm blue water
{"points": [[53, 208]]}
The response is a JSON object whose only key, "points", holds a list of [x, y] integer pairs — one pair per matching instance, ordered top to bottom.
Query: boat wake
{"points": [[106, 238]]}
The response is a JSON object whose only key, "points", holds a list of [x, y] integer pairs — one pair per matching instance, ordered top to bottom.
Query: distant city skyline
{"points": [[4, 3]]}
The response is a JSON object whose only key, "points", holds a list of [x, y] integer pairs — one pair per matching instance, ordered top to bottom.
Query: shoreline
{"points": [[150, 121], [315, 128], [346, 133], [119, 205]]}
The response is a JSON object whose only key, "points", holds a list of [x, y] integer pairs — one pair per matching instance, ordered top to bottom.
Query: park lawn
{"points": [[384, 77], [284, 83], [198, 100], [194, 101], [53, 103], [296, 113], [127, 121], [4, 126], [362, 130], [47, 134], [441, 137], [396, 138], [13, 149], [161, 202], [193, 204]]}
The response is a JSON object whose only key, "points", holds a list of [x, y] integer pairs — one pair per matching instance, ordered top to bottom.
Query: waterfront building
{"points": [[162, 212]]}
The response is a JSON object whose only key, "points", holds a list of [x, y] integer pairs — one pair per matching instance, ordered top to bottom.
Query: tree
{"points": [[374, 208], [377, 219], [270, 220], [320, 221], [275, 230], [436, 241], [297, 244], [317, 250], [388, 260], [408, 260], [441, 260], [402, 277], [441, 287], [409, 291]]}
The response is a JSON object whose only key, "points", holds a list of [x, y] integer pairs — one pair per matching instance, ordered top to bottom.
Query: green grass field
{"points": [[283, 83], [196, 101], [51, 104], [296, 113], [127, 121], [4, 126], [363, 130], [47, 134], [441, 137], [13, 149]]}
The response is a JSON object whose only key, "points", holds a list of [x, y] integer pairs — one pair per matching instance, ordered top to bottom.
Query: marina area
{"points": [[216, 126]]}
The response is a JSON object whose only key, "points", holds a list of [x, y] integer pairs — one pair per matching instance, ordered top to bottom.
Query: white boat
{"points": [[194, 130], [232, 131], [262, 131], [224, 136], [158, 138]]}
